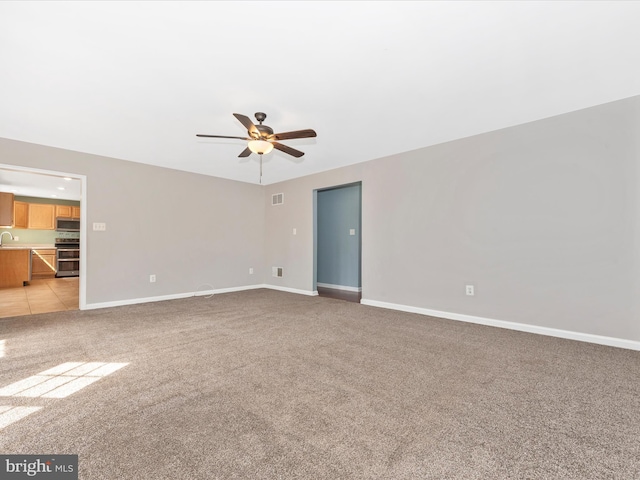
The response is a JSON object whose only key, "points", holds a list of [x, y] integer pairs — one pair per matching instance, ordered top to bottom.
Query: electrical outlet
{"points": [[15, 239], [250, 270], [152, 278], [470, 290]]}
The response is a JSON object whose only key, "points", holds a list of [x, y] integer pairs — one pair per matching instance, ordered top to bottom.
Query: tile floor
{"points": [[40, 296]]}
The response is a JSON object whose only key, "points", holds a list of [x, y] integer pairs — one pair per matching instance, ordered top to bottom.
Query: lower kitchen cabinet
{"points": [[43, 263], [15, 267]]}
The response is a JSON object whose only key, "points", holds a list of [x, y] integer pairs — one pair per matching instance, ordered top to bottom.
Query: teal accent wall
{"points": [[338, 252]]}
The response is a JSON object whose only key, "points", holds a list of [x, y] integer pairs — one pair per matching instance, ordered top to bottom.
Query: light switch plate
{"points": [[99, 227], [352, 231]]}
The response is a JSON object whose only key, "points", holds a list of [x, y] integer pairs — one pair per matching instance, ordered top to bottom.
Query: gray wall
{"points": [[542, 218], [192, 231], [338, 251]]}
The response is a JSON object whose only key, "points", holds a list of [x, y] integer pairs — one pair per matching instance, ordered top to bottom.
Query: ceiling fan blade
{"points": [[248, 124], [296, 134], [221, 136], [289, 150], [245, 153]]}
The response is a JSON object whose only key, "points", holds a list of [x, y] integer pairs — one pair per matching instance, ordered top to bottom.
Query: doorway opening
{"points": [[36, 190], [338, 242]]}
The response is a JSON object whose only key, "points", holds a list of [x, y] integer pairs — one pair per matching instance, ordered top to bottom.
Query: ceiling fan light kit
{"points": [[262, 140], [261, 147]]}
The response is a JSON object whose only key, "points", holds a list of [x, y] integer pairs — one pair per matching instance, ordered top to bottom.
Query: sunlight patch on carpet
{"points": [[61, 381], [10, 414]]}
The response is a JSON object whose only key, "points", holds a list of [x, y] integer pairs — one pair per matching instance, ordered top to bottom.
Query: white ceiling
{"points": [[138, 80], [29, 184]]}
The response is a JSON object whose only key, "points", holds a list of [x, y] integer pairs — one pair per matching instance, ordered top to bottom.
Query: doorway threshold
{"points": [[339, 294]]}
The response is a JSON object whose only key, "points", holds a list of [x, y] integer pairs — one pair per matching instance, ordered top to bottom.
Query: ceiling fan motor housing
{"points": [[264, 130]]}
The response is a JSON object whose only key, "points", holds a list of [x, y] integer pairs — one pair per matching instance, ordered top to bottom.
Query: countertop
{"points": [[27, 246]]}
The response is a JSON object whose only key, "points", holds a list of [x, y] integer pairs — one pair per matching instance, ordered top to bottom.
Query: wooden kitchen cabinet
{"points": [[6, 209], [63, 211], [67, 211], [21, 214], [39, 216], [42, 216], [43, 263], [15, 267]]}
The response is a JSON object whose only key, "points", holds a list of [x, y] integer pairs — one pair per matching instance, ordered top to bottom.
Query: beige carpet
{"points": [[270, 385]]}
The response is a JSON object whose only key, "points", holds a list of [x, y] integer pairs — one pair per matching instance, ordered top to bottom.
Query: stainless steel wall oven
{"points": [[68, 257]]}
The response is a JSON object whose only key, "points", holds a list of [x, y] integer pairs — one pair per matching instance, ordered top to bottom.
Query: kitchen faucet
{"points": [[1, 234]]}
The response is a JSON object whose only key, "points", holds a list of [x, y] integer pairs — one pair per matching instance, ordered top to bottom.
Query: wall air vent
{"points": [[277, 199], [276, 271]]}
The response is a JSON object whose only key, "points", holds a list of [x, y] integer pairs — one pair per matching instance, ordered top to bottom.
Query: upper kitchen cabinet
{"points": [[6, 209], [63, 211], [68, 211], [20, 214], [36, 216], [42, 216]]}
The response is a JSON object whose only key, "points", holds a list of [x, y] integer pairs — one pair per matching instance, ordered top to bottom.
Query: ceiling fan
{"points": [[262, 139]]}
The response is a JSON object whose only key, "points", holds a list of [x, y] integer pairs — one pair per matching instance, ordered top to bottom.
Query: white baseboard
{"points": [[339, 287], [291, 290], [198, 293], [161, 298], [522, 327]]}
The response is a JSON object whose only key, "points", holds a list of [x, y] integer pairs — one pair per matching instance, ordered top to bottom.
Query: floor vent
{"points": [[277, 199]]}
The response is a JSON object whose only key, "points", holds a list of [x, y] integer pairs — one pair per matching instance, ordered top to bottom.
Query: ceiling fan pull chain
{"points": [[260, 169]]}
